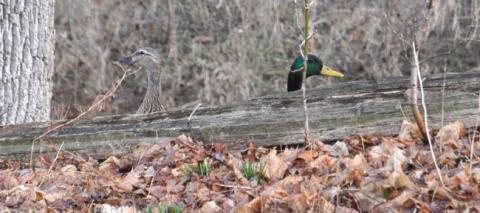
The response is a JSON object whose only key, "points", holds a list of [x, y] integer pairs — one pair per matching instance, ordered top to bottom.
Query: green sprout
{"points": [[202, 169], [251, 170], [165, 208], [170, 209]]}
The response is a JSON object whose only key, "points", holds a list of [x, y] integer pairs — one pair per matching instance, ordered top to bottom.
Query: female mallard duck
{"points": [[148, 59], [315, 66]]}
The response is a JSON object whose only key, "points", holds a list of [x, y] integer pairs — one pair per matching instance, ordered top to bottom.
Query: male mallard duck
{"points": [[148, 59], [315, 66]]}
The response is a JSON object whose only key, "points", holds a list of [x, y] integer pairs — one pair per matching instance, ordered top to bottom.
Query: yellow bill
{"points": [[327, 71]]}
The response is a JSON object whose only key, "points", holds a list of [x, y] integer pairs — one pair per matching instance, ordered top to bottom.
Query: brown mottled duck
{"points": [[148, 59]]}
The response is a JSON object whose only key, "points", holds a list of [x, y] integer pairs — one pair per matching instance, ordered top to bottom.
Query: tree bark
{"points": [[27, 47], [336, 111]]}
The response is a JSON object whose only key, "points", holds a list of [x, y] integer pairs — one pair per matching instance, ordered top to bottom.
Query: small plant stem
{"points": [[306, 13], [443, 99], [414, 103], [425, 114], [472, 145]]}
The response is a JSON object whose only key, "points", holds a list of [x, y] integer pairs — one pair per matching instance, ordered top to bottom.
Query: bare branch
{"points": [[95, 105]]}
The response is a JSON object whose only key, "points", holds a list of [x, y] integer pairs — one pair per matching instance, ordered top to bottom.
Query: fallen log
{"points": [[336, 111]]}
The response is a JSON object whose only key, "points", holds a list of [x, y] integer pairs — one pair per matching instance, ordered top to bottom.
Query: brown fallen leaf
{"points": [[409, 132], [450, 134], [318, 145], [339, 149], [148, 152], [261, 152], [289, 155], [308, 155], [377, 156], [397, 159], [448, 159], [324, 161], [358, 162], [235, 163], [111, 165], [88, 166], [275, 166], [69, 170], [150, 173], [476, 175], [356, 176], [133, 178], [399, 180], [9, 181], [284, 183], [174, 187], [157, 191], [280, 191], [370, 193], [203, 194], [18, 195], [50, 195], [303, 201], [401, 201], [298, 203], [228, 205], [257, 205], [326, 206], [422, 206], [210, 207], [341, 209]]}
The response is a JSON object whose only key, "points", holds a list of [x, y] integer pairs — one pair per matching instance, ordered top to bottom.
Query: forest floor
{"points": [[356, 174]]}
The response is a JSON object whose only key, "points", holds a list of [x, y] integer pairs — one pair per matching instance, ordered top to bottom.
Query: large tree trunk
{"points": [[27, 41], [336, 111]]}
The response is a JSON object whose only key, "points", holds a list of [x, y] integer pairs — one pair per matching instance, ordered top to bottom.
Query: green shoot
{"points": [[202, 169], [251, 170], [170, 209]]}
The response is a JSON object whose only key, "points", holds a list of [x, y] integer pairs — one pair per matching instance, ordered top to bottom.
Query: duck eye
{"points": [[141, 52]]}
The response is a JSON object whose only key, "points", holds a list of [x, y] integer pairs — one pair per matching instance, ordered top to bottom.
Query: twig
{"points": [[399, 35], [306, 36], [301, 47], [444, 84], [107, 95], [443, 99], [403, 114], [425, 114], [191, 115], [473, 138], [363, 144], [56, 158], [51, 166], [151, 182], [234, 186]]}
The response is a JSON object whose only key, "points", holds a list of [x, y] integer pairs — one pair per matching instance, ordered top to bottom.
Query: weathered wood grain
{"points": [[336, 111]]}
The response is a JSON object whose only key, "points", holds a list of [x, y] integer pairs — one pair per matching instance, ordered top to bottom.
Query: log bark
{"points": [[27, 42], [336, 111]]}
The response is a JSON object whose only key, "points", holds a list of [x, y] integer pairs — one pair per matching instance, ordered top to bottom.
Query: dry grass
{"points": [[221, 51]]}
